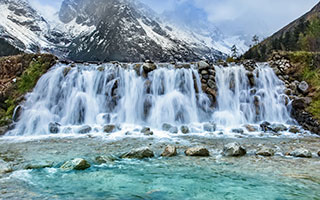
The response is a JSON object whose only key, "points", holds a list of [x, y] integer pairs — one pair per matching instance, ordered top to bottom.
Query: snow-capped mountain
{"points": [[100, 30]]}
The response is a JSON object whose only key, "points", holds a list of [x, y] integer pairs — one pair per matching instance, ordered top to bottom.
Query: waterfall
{"points": [[97, 95], [249, 97]]}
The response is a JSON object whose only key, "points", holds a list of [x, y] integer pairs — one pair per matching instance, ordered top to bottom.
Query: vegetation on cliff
{"points": [[19, 75]]}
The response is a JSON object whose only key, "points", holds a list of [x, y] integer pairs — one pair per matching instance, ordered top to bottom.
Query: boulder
{"points": [[203, 65], [149, 67], [211, 84], [303, 87], [166, 126], [265, 126], [54, 127], [209, 127], [109, 128], [251, 128], [277, 128], [84, 129], [173, 129], [184, 129], [294, 129], [3, 130], [237, 130], [146, 131], [234, 149], [169, 151], [197, 151], [265, 151], [140, 153], [301, 153], [319, 153], [106, 159], [76, 164]]}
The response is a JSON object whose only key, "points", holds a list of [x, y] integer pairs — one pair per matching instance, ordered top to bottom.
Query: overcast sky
{"points": [[247, 16]]}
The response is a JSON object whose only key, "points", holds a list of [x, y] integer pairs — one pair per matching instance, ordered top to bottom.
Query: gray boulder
{"points": [[203, 65], [303, 87], [54, 127], [277, 128], [84, 129], [184, 129], [294, 129], [146, 131], [234, 149], [169, 151], [197, 151], [140, 153], [301, 153], [106, 159], [76, 164]]}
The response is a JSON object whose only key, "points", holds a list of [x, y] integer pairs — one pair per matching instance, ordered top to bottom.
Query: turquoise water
{"points": [[159, 178]]}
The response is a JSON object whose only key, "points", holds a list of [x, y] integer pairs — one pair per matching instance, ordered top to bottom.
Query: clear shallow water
{"points": [[174, 178]]}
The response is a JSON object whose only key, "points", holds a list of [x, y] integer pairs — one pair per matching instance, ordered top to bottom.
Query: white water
{"points": [[90, 96]]}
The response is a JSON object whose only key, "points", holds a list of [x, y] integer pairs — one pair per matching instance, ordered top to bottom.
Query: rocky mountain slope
{"points": [[100, 30], [302, 34]]}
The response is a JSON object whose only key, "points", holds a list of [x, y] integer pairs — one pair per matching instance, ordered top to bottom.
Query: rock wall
{"points": [[18, 75], [299, 91]]}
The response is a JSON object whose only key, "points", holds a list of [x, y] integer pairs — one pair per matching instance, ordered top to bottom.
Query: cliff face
{"points": [[302, 34], [19, 74]]}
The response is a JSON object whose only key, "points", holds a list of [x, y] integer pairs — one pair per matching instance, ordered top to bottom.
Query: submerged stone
{"points": [[166, 126], [251, 128], [277, 128], [173, 129], [294, 129], [237, 130], [234, 149], [169, 151], [197, 151], [140, 153], [106, 159], [76, 164], [40, 165], [5, 167]]}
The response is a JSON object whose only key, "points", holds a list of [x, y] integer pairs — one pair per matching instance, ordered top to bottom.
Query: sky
{"points": [[262, 17]]}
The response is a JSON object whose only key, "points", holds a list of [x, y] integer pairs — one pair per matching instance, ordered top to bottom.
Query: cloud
{"points": [[47, 9]]}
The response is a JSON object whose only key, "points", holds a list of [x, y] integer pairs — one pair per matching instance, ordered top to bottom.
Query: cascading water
{"points": [[110, 94], [97, 95], [249, 97]]}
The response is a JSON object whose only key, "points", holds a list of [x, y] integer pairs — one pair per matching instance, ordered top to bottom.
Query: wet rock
{"points": [[203, 65], [148, 67], [66, 71], [204, 72], [211, 84], [303, 87], [17, 113], [265, 126], [54, 127], [166, 127], [210, 127], [109, 128], [251, 128], [277, 128], [84, 129], [173, 129], [184, 129], [294, 129], [3, 130], [237, 130], [146, 131], [234, 149], [169, 151], [197, 151], [265, 151], [140, 153], [301, 153], [319, 153], [106, 159], [76, 164], [40, 165], [5, 167]]}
